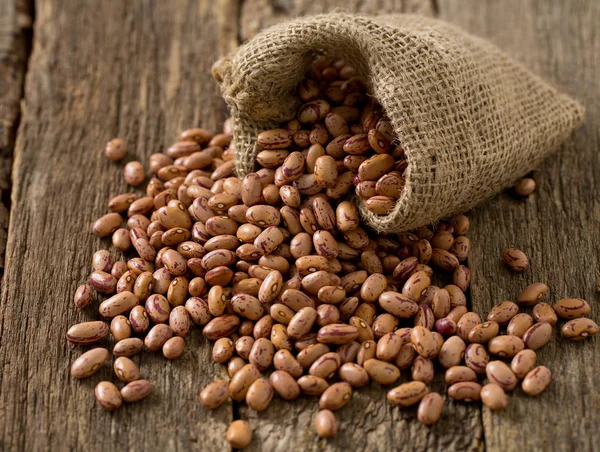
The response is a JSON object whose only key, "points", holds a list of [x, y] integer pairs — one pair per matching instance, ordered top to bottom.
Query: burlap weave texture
{"points": [[470, 119]]}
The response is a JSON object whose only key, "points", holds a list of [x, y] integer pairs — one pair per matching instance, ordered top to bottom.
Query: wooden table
{"points": [[140, 70]]}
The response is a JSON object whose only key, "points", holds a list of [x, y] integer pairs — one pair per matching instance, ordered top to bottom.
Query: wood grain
{"points": [[258, 14], [15, 25], [139, 70], [557, 226]]}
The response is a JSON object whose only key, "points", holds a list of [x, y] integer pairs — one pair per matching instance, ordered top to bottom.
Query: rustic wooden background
{"points": [[75, 73]]}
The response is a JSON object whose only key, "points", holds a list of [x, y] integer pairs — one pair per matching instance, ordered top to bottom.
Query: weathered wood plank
{"points": [[259, 14], [15, 25], [139, 70], [557, 226], [368, 422]]}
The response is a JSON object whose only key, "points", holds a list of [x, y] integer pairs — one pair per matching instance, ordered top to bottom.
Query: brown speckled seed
{"points": [[115, 149], [515, 259], [532, 294], [83, 296], [571, 308], [503, 312], [543, 312], [519, 324], [579, 329], [87, 333], [538, 335], [128, 347], [174, 347], [476, 358], [523, 362], [89, 363], [126, 370], [459, 373], [499, 373], [536, 381], [284, 385], [136, 390], [466, 391], [214, 394], [407, 394], [259, 395], [108, 396], [335, 396], [494, 397], [430, 408], [325, 424], [239, 434]]}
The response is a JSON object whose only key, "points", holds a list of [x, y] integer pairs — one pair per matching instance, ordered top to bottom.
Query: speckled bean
{"points": [[579, 329], [87, 333], [505, 346], [89, 363], [536, 381], [136, 390], [214, 394], [407, 394], [108, 396], [335, 396], [494, 397], [430, 408]]}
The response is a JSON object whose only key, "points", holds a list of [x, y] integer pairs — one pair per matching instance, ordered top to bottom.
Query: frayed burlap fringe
{"points": [[470, 119]]}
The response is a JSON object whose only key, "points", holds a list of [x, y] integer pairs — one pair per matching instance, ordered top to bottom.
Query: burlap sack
{"points": [[470, 119]]}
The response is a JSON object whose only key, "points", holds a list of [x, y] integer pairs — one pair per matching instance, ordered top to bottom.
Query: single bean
{"points": [[515, 259], [532, 294], [83, 296], [571, 308], [579, 329], [483, 332], [87, 333], [538, 335], [157, 336], [505, 346], [128, 347], [174, 347], [477, 358], [523, 362], [89, 363], [126, 370], [459, 373], [499, 373], [242, 380], [536, 381], [284, 385], [136, 390], [467, 391], [214, 394], [407, 394], [259, 395], [108, 396], [335, 396], [494, 397], [430, 408], [325, 424], [239, 434]]}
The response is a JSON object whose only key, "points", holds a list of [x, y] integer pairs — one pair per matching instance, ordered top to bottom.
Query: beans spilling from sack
{"points": [[298, 298]]}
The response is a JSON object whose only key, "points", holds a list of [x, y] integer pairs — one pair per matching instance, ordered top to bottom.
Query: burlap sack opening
{"points": [[470, 119]]}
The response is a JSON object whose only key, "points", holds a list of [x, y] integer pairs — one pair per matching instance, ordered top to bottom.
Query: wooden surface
{"points": [[15, 39], [140, 70]]}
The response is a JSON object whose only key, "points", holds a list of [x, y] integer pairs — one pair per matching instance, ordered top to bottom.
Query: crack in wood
{"points": [[16, 37]]}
